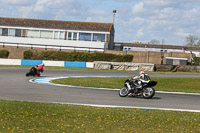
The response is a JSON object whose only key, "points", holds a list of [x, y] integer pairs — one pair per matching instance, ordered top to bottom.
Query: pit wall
{"points": [[138, 56]]}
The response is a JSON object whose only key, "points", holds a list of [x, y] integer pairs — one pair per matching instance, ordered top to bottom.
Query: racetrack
{"points": [[15, 86]]}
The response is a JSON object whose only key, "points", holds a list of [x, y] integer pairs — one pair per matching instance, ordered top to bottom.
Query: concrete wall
{"points": [[150, 57], [124, 66], [175, 68]]}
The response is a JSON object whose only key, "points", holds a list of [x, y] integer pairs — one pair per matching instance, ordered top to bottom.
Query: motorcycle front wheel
{"points": [[123, 92], [148, 92]]}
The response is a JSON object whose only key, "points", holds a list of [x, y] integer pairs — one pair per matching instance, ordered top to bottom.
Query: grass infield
{"points": [[190, 85], [32, 117]]}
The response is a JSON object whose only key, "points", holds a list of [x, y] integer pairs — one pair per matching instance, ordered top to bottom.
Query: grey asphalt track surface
{"points": [[15, 86]]}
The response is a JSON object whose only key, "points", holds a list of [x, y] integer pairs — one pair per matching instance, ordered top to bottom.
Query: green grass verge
{"points": [[190, 85], [31, 117]]}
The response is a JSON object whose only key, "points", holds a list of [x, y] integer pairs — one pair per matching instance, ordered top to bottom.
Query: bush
{"points": [[4, 53], [28, 54], [76, 56], [196, 60]]}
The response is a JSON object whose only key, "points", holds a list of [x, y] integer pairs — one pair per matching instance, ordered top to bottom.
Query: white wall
{"points": [[10, 61], [53, 63], [89, 64]]}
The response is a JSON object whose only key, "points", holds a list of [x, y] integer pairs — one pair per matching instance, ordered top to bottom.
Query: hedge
{"points": [[4, 53], [28, 54], [76, 56], [196, 61]]}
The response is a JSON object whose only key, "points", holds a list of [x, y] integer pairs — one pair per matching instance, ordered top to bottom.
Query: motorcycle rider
{"points": [[35, 68], [39, 68], [142, 78]]}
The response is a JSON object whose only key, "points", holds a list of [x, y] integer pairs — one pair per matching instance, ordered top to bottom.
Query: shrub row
{"points": [[4, 53], [76, 56], [196, 61]]}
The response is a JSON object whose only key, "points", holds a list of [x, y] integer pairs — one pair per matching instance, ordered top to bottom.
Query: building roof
{"points": [[56, 24], [185, 47]]}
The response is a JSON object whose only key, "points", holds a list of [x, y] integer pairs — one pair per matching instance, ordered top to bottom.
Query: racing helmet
{"points": [[141, 75]]}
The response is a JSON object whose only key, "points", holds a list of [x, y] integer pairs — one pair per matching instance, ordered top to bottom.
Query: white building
{"points": [[56, 34]]}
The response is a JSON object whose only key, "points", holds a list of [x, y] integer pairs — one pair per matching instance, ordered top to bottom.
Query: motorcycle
{"points": [[32, 72], [145, 89]]}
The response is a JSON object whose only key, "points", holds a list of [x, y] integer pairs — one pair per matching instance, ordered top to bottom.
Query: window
{"points": [[0, 31], [5, 31], [11, 32], [18, 32], [33, 33], [46, 34], [61, 35], [69, 35], [56, 36], [75, 36], [85, 36], [99, 37]]}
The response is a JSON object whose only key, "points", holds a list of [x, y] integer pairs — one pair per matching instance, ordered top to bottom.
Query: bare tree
{"points": [[191, 40], [154, 41], [137, 42], [198, 43]]}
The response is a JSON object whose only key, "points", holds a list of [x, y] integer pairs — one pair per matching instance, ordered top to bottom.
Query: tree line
{"points": [[190, 40]]}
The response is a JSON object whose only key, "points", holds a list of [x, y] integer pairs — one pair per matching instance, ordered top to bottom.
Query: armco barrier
{"points": [[46, 62]]}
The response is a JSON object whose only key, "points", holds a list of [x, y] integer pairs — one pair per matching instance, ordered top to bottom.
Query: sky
{"points": [[169, 21]]}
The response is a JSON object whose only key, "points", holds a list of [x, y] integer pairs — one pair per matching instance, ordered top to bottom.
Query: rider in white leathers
{"points": [[142, 78]]}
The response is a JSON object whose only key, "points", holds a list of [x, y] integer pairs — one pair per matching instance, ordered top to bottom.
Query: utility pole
{"points": [[114, 12], [162, 53]]}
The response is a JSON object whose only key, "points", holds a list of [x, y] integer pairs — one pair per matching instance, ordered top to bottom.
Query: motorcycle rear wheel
{"points": [[27, 74], [123, 92], [148, 92]]}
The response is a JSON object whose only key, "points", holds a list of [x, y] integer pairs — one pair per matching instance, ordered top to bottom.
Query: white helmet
{"points": [[141, 75]]}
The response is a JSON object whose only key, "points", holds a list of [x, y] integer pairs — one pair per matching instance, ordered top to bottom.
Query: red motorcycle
{"points": [[33, 72]]}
